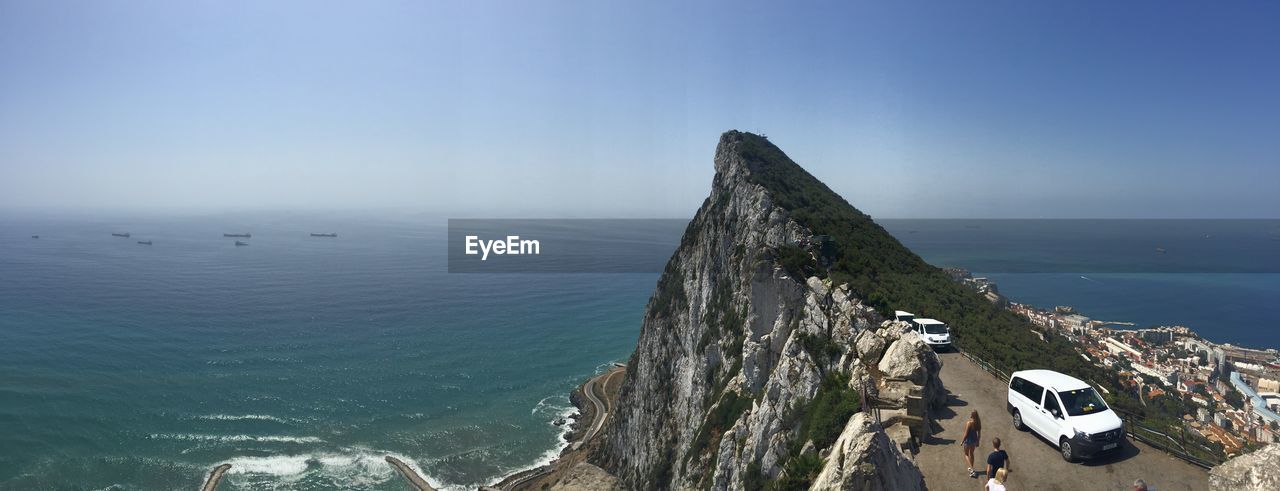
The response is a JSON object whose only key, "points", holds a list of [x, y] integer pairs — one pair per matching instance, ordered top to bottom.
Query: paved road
{"points": [[601, 407], [600, 412], [1036, 464]]}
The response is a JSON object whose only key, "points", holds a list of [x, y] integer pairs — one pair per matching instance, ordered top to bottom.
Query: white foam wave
{"points": [[242, 417], [236, 438], [550, 455], [275, 465], [353, 467]]}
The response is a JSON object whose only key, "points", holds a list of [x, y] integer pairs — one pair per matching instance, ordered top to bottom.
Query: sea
{"points": [[303, 361]]}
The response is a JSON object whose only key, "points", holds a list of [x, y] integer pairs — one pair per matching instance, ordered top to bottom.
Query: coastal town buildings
{"points": [[1235, 390]]}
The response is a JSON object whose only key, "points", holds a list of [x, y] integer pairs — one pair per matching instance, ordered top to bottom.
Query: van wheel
{"points": [[1017, 420], [1065, 446]]}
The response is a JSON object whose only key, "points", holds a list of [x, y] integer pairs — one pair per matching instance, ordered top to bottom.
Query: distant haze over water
{"points": [[303, 360]]}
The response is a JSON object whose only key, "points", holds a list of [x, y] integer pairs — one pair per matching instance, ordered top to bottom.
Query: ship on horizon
{"points": [[331, 234], [125, 235], [244, 236], [144, 242], [241, 243]]}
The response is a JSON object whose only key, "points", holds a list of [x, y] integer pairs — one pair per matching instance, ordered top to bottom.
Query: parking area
{"points": [[1036, 464]]}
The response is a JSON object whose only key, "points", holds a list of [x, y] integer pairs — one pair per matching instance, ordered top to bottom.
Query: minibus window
{"points": [[1028, 389], [1082, 401], [1051, 404]]}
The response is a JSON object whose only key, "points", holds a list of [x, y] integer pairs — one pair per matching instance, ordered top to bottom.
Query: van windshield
{"points": [[935, 329], [1082, 401]]}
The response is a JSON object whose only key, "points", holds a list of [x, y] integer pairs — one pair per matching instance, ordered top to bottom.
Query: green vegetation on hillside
{"points": [[889, 277], [823, 417], [819, 420]]}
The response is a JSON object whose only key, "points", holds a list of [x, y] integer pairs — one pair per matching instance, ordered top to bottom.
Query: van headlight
{"points": [[1082, 435]]}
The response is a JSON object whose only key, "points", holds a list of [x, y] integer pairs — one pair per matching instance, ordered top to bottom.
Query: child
{"points": [[996, 483]]}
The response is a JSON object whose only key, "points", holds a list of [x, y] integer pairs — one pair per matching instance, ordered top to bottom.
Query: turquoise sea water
{"points": [[1219, 277], [303, 361]]}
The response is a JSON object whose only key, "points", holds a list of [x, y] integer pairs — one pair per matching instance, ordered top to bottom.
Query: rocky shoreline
{"points": [[570, 471]]}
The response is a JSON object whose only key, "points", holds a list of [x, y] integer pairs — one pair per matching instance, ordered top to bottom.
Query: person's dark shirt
{"points": [[996, 460]]}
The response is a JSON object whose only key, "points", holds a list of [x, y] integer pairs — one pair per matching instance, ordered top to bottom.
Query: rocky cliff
{"points": [[751, 362], [1257, 471]]}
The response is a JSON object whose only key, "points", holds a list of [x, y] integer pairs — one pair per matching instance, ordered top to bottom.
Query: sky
{"points": [[941, 109]]}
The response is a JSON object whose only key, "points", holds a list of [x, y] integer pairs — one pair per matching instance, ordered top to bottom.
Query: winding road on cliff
{"points": [[598, 401], [600, 413], [1035, 463]]}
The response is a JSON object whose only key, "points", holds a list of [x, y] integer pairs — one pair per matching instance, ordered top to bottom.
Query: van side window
{"points": [[1031, 390], [1051, 404]]}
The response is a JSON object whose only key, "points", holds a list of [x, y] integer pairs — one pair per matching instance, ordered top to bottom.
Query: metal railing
{"points": [[989, 368], [869, 402], [1179, 446]]}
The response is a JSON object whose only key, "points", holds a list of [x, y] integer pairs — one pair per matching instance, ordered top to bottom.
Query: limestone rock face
{"points": [[892, 330], [733, 341], [870, 345], [909, 358], [864, 458], [1255, 471], [586, 477]]}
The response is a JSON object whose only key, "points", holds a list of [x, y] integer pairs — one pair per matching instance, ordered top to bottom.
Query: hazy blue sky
{"points": [[908, 109]]}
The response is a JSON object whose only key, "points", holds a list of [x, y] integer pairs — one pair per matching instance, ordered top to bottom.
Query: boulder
{"points": [[892, 330], [870, 346], [909, 358], [904, 360], [864, 458], [1258, 471]]}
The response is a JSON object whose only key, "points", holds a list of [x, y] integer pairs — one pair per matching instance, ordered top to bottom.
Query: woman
{"points": [[972, 432], [997, 483]]}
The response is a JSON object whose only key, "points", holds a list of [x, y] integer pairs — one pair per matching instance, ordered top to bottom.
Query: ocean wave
{"points": [[543, 404], [558, 412], [243, 417], [235, 438], [352, 468]]}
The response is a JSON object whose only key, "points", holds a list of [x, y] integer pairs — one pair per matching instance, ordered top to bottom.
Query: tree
{"points": [[1235, 398]]}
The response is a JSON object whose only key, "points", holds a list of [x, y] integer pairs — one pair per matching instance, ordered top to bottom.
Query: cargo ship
{"points": [[125, 235], [324, 235], [243, 236], [144, 242], [240, 243]]}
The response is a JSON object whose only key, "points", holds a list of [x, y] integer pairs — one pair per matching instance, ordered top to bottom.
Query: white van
{"points": [[903, 316], [934, 332], [1065, 411]]}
